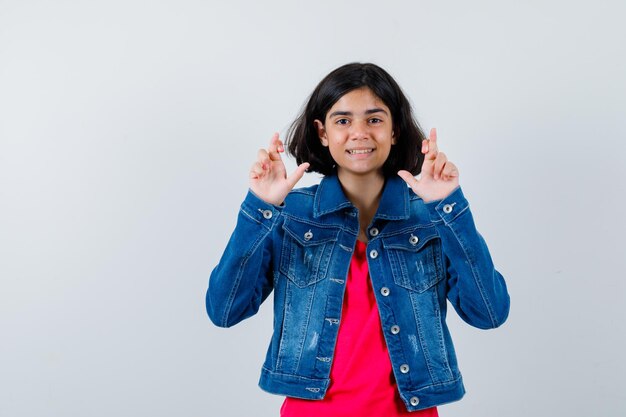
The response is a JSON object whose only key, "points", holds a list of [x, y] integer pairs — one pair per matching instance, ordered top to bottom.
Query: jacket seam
{"points": [[475, 275], [235, 287]]}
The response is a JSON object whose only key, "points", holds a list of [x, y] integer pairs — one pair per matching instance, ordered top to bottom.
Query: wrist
{"points": [[267, 200]]}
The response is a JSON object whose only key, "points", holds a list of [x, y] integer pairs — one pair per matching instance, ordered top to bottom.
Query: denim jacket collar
{"points": [[394, 203]]}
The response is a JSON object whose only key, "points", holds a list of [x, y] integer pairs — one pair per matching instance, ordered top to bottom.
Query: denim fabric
{"points": [[419, 255]]}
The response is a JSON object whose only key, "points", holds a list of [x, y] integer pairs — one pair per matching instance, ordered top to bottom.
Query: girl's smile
{"points": [[360, 151]]}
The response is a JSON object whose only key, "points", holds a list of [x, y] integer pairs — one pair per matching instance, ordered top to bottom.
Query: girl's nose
{"points": [[359, 131]]}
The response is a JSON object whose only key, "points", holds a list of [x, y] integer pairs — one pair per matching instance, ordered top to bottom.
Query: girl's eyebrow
{"points": [[349, 113]]}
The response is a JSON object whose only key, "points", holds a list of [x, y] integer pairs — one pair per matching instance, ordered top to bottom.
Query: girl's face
{"points": [[358, 131]]}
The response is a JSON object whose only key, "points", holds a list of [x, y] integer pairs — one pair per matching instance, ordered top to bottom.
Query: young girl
{"points": [[361, 265]]}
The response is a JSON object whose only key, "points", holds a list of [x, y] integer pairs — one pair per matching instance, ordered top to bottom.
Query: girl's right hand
{"points": [[268, 177]]}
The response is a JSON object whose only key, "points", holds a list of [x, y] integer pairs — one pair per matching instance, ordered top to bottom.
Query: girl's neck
{"points": [[364, 191]]}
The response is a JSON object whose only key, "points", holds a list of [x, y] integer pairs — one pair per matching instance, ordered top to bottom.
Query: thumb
{"points": [[297, 174], [408, 178]]}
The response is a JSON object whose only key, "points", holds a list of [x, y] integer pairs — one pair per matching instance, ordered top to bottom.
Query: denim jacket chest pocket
{"points": [[306, 251], [415, 258]]}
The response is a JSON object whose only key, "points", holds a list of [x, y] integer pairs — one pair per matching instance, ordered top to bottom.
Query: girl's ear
{"points": [[321, 132], [393, 137]]}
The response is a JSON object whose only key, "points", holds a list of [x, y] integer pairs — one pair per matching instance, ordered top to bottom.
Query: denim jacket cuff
{"points": [[448, 208], [260, 211]]}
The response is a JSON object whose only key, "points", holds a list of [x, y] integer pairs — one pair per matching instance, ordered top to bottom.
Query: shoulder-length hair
{"points": [[303, 141]]}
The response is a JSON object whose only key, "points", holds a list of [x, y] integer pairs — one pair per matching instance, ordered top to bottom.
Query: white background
{"points": [[126, 132]]}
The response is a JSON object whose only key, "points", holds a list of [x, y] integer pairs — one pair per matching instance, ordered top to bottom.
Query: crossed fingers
{"points": [[429, 146], [275, 148], [265, 157], [436, 163]]}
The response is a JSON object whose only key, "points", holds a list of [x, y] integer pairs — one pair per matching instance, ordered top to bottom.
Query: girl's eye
{"points": [[375, 120], [342, 121]]}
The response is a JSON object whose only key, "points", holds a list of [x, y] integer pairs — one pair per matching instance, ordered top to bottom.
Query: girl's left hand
{"points": [[439, 177]]}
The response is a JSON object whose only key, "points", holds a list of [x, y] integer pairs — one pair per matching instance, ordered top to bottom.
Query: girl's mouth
{"points": [[359, 151]]}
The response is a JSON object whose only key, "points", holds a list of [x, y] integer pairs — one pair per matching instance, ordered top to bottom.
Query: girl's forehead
{"points": [[360, 98]]}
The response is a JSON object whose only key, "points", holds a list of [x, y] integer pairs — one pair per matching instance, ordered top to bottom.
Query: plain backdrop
{"points": [[127, 129]]}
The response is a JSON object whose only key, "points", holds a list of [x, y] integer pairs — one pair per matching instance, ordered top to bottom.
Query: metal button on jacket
{"points": [[447, 208], [267, 214], [373, 231], [308, 235], [413, 240], [373, 254], [384, 291], [395, 329], [404, 368], [414, 401]]}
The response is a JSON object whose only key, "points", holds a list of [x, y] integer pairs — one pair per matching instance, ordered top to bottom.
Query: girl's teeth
{"points": [[361, 151]]}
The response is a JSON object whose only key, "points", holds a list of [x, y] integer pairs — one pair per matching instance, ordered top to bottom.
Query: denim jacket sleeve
{"points": [[242, 280], [475, 289]]}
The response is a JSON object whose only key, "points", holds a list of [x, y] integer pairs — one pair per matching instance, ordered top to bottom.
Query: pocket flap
{"points": [[309, 235], [410, 241]]}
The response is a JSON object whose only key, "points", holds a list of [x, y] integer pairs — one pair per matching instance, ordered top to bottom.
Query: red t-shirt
{"points": [[362, 382]]}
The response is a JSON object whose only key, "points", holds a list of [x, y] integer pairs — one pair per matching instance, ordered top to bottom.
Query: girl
{"points": [[361, 265]]}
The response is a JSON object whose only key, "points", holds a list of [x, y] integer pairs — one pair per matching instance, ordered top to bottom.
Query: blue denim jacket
{"points": [[419, 255]]}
